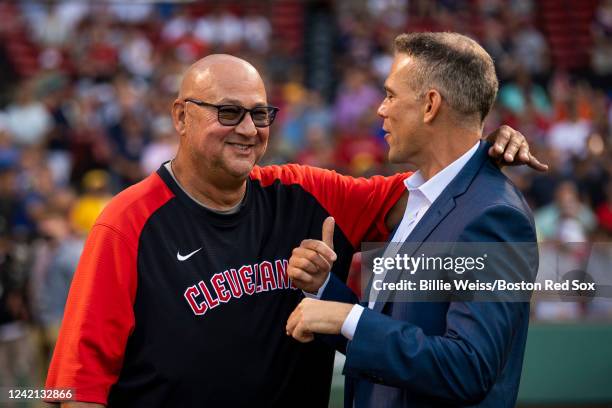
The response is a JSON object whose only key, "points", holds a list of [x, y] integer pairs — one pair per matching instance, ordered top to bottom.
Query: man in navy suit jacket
{"points": [[418, 354]]}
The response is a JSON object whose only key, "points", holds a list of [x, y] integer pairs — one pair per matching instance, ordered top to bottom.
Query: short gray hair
{"points": [[456, 66]]}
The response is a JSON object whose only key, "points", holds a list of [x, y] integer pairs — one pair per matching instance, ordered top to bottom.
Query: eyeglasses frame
{"points": [[274, 111]]}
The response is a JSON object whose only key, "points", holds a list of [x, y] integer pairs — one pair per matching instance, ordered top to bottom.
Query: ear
{"points": [[433, 101], [178, 116]]}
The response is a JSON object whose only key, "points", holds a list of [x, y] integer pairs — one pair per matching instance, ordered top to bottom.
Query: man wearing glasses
{"points": [[181, 295]]}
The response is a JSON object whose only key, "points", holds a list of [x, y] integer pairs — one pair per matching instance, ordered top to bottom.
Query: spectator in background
{"points": [[392, 12], [132, 13], [54, 23], [602, 25], [177, 26], [220, 28], [52, 30], [257, 31], [357, 40], [497, 43], [530, 48], [97, 50], [136, 54], [601, 55], [383, 57], [54, 92], [522, 93], [578, 96], [356, 101], [305, 109], [27, 118], [569, 136], [129, 137], [89, 146], [163, 146], [318, 150], [9, 153], [360, 154], [591, 173], [35, 184], [541, 189], [87, 207], [12, 208], [604, 211], [567, 219], [563, 228], [65, 248], [56, 256], [598, 267], [16, 358]]}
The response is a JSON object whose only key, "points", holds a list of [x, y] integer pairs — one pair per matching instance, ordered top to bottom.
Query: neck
{"points": [[444, 148], [218, 193]]}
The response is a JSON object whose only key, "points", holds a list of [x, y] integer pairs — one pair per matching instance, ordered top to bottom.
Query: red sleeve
{"points": [[359, 205], [99, 313], [98, 319]]}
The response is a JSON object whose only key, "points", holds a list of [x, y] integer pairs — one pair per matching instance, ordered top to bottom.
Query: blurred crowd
{"points": [[93, 118]]}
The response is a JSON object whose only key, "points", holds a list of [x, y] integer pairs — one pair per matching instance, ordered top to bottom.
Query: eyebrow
{"points": [[388, 89], [231, 101]]}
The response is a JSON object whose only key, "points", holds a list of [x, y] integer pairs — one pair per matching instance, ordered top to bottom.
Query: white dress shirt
{"points": [[421, 194]]}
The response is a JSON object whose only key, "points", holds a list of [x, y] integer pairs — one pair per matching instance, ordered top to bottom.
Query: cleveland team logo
{"points": [[235, 283]]}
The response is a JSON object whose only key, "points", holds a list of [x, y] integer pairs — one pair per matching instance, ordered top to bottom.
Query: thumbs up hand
{"points": [[311, 262]]}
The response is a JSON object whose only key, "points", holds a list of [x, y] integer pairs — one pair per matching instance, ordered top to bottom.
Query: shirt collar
{"points": [[433, 187]]}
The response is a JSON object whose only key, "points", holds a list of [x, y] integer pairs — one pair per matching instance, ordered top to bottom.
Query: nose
{"points": [[382, 111], [246, 127]]}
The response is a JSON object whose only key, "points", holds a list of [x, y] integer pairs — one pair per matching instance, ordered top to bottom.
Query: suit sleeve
{"points": [[359, 205], [98, 318], [463, 364]]}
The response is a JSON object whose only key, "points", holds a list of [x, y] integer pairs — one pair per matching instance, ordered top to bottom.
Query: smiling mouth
{"points": [[241, 146]]}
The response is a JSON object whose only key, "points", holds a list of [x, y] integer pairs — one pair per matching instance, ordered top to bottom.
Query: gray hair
{"points": [[456, 66]]}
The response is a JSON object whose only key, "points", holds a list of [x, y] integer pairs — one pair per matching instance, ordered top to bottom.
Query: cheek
{"points": [[394, 114], [201, 124], [264, 135], [206, 140]]}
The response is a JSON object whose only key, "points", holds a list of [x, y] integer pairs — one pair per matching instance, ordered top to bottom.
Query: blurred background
{"points": [[85, 94]]}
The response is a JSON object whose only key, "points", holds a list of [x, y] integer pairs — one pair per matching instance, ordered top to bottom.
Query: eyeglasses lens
{"points": [[230, 115]]}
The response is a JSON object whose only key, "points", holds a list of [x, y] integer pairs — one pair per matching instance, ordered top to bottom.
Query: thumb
{"points": [[328, 231]]}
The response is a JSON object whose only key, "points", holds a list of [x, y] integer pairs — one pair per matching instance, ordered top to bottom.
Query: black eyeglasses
{"points": [[231, 115]]}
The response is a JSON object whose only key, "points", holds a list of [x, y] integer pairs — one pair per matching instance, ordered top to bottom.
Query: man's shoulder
{"points": [[494, 188], [493, 208], [130, 209]]}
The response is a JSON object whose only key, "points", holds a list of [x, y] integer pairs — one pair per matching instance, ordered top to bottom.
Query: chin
{"points": [[393, 157], [397, 158], [240, 169]]}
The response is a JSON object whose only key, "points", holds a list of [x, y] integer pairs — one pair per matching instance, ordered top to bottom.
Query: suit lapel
{"points": [[438, 210], [423, 229]]}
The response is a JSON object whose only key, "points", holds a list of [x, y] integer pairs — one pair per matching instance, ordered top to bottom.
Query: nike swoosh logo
{"points": [[185, 257]]}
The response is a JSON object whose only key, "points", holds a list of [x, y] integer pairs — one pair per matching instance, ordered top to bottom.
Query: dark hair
{"points": [[456, 66]]}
